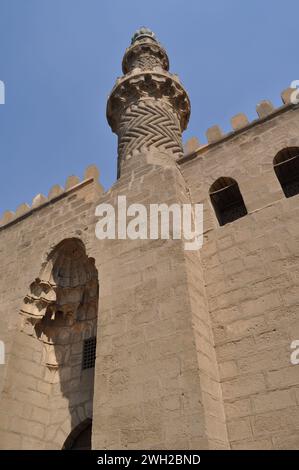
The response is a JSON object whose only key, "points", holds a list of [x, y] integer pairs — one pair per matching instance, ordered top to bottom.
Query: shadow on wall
{"points": [[52, 371]]}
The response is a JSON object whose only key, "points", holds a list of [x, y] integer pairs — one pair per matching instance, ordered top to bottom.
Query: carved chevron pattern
{"points": [[149, 124]]}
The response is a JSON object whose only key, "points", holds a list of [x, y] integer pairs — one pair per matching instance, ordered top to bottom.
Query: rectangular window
{"points": [[89, 353]]}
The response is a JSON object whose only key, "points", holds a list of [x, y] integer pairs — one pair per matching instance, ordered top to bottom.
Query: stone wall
{"points": [[250, 268], [44, 392], [149, 392]]}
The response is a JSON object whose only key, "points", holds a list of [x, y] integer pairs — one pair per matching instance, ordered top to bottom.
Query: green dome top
{"points": [[143, 33]]}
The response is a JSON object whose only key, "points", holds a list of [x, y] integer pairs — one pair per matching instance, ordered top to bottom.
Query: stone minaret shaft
{"points": [[148, 107]]}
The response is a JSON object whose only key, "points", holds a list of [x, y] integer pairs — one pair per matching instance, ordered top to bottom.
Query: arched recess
{"points": [[286, 167], [227, 200], [62, 303], [57, 318]]}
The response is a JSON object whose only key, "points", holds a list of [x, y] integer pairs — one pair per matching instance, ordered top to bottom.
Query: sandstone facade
{"points": [[193, 347]]}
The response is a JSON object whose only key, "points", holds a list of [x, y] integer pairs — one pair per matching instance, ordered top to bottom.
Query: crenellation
{"points": [[286, 95], [264, 108], [239, 123], [214, 134], [191, 145], [92, 171], [71, 182], [55, 191], [40, 201], [22, 209], [7, 217]]}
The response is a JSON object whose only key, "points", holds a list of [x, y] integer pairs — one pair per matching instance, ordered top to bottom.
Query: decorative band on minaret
{"points": [[148, 107]]}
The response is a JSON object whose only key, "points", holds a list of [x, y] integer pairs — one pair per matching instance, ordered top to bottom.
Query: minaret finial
{"points": [[142, 33]]}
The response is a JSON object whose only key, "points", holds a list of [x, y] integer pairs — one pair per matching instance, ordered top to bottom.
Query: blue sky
{"points": [[59, 60]]}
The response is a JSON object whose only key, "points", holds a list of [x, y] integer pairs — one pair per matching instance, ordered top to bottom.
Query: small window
{"points": [[286, 167], [227, 200], [89, 353]]}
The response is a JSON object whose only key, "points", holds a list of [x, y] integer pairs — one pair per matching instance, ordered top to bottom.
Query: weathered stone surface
{"points": [[286, 95], [264, 108], [239, 121], [213, 134], [191, 145], [92, 171], [71, 182], [55, 191], [38, 200], [22, 209], [7, 217], [252, 325]]}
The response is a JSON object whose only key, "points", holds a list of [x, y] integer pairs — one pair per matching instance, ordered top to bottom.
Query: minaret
{"points": [[148, 107], [156, 376]]}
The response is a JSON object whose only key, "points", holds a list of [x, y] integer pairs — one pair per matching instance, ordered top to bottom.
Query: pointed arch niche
{"points": [[58, 316]]}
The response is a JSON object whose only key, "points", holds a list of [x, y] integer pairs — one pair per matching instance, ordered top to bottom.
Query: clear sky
{"points": [[59, 60]]}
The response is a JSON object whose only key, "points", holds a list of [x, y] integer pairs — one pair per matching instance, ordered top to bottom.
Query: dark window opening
{"points": [[286, 167], [227, 200], [89, 353]]}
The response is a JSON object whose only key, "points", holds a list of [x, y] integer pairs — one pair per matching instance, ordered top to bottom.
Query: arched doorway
{"points": [[80, 437]]}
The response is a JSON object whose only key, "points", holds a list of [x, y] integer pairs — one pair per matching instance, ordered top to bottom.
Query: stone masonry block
{"points": [[286, 95], [264, 108], [239, 121], [213, 134], [191, 145], [92, 172], [71, 182], [55, 191], [38, 200], [22, 209], [7, 217], [239, 429]]}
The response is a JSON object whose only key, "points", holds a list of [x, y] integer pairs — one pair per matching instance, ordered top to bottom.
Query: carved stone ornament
{"points": [[145, 55], [139, 85], [62, 303]]}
